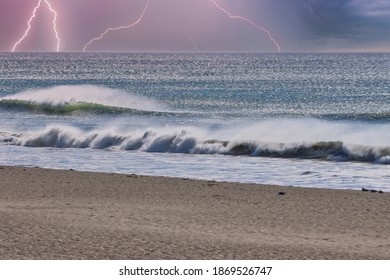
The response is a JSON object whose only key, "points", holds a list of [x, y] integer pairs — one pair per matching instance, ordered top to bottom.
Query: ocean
{"points": [[309, 120]]}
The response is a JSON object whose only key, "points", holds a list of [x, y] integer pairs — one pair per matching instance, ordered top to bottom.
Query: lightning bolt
{"points": [[34, 13], [248, 21], [54, 24], [29, 26], [118, 28], [194, 44]]}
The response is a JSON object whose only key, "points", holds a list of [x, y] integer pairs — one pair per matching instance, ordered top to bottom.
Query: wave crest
{"points": [[83, 98], [192, 142]]}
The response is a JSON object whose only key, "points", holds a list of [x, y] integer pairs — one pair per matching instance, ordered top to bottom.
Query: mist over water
{"points": [[236, 114]]}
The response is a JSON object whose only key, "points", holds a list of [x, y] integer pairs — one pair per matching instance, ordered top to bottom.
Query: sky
{"points": [[197, 25]]}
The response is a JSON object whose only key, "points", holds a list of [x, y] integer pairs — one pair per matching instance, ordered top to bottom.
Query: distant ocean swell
{"points": [[63, 100], [96, 100], [72, 108], [79, 108], [185, 141]]}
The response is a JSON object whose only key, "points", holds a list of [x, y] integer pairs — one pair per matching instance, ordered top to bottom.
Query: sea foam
{"points": [[299, 138]]}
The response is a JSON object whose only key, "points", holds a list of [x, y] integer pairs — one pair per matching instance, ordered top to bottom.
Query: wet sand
{"points": [[57, 214]]}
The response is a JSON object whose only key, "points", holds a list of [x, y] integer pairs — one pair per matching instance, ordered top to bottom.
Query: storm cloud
{"points": [[349, 22], [198, 25]]}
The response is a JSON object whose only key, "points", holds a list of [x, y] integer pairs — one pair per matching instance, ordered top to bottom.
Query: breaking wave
{"points": [[80, 99], [194, 140]]}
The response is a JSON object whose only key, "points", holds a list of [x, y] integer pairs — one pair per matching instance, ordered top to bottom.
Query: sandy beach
{"points": [[57, 214]]}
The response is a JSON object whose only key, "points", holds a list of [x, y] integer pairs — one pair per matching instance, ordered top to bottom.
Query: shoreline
{"points": [[65, 214]]}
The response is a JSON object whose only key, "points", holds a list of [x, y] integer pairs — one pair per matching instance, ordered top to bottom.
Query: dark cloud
{"points": [[354, 21], [325, 25]]}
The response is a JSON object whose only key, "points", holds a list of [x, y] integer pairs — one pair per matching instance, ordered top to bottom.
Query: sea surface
{"points": [[310, 120]]}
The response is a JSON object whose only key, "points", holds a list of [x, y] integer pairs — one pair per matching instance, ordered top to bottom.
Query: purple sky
{"points": [[198, 25]]}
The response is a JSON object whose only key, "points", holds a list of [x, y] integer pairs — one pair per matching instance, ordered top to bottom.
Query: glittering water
{"points": [[318, 120]]}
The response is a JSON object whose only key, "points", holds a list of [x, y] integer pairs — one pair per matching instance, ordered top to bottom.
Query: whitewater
{"points": [[315, 120]]}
